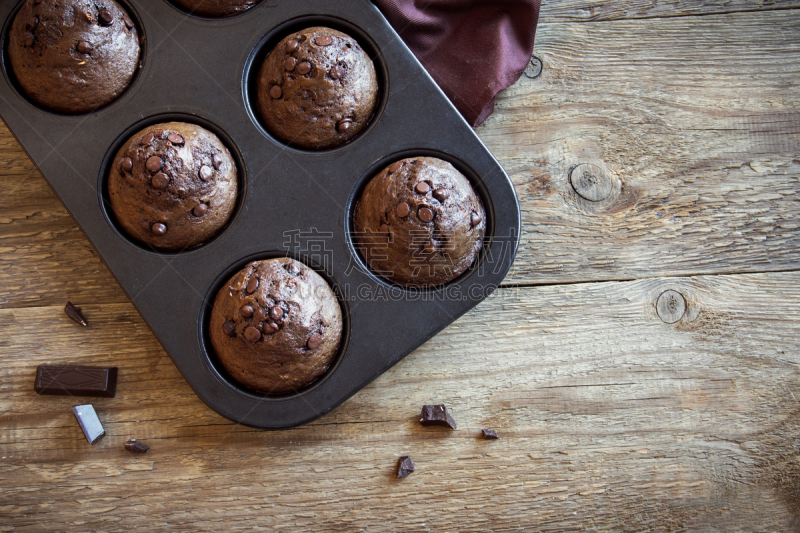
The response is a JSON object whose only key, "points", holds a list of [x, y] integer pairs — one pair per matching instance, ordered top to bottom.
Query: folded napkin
{"points": [[472, 48]]}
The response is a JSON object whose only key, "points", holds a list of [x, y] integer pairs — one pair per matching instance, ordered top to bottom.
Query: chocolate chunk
{"points": [[106, 18], [32, 22], [128, 22], [323, 40], [291, 46], [84, 47], [289, 63], [304, 67], [337, 72], [275, 91], [344, 125], [147, 139], [175, 139], [217, 161], [154, 163], [127, 164], [394, 167], [206, 172], [160, 180], [422, 187], [441, 194], [200, 210], [403, 210], [425, 214], [475, 218], [158, 228], [430, 247], [293, 269], [252, 285], [247, 311], [276, 313], [75, 314], [229, 328], [270, 328], [252, 335], [314, 341], [72, 380], [436, 415], [90, 424], [489, 434], [135, 446], [404, 466]]}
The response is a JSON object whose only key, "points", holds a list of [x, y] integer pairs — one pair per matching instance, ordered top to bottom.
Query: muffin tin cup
{"points": [[294, 202]]}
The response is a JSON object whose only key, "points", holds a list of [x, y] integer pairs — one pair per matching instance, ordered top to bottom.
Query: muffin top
{"points": [[216, 8], [73, 56], [317, 89], [173, 186], [419, 222], [276, 326]]}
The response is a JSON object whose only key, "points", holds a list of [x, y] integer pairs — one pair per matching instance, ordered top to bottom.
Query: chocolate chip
{"points": [[106, 18], [32, 22], [128, 22], [27, 39], [323, 40], [291, 46], [84, 47], [289, 63], [304, 67], [337, 72], [275, 92], [344, 125], [147, 139], [175, 139], [217, 161], [153, 163], [127, 164], [394, 167], [206, 172], [160, 181], [422, 187], [441, 194], [200, 210], [403, 210], [425, 214], [475, 218], [158, 228], [384, 229], [430, 247], [293, 269], [252, 285], [247, 311], [276, 313], [75, 314], [229, 328], [270, 328], [251, 334], [314, 341], [436, 415], [489, 434], [135, 446], [404, 466]]}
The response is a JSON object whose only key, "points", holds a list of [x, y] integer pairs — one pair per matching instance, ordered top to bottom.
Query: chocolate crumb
{"points": [[75, 314], [436, 415], [489, 434], [135, 446], [404, 466]]}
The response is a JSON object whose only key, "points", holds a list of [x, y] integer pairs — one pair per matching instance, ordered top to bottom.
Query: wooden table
{"points": [[683, 122]]}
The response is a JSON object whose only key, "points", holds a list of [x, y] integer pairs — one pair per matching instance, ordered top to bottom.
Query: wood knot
{"points": [[534, 68], [591, 182], [671, 306]]}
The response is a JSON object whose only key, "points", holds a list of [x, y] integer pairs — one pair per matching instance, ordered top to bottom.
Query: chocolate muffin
{"points": [[216, 8], [73, 56], [317, 89], [173, 186], [419, 222], [276, 326]]}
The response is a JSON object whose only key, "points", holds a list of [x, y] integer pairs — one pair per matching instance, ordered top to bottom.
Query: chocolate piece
{"points": [[106, 17], [324, 40], [291, 45], [84, 47], [289, 63], [304, 67], [337, 72], [275, 91], [344, 125], [147, 139], [175, 139], [217, 160], [154, 163], [127, 164], [394, 167], [206, 173], [160, 180], [422, 187], [441, 194], [200, 210], [403, 210], [425, 214], [475, 218], [159, 228], [430, 247], [252, 285], [247, 311], [276, 313], [75, 314], [229, 328], [252, 335], [314, 341], [73, 380], [436, 415], [90, 424], [489, 434], [135, 446], [404, 466]]}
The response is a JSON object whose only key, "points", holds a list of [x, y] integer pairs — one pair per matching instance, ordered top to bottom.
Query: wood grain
{"points": [[603, 10], [698, 121], [608, 420]]}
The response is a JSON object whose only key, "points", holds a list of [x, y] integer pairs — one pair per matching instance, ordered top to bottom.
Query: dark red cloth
{"points": [[472, 48]]}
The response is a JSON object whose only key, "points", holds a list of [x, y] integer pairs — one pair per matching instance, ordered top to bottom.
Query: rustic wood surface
{"points": [[641, 364]]}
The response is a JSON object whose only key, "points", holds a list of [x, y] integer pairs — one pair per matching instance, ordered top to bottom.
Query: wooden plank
{"points": [[601, 10], [694, 123], [609, 419]]}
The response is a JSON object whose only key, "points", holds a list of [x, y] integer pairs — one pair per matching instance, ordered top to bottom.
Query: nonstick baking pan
{"points": [[293, 202]]}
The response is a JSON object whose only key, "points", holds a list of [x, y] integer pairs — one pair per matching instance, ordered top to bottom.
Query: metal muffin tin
{"points": [[292, 202]]}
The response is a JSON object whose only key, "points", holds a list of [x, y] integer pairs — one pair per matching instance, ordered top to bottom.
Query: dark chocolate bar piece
{"points": [[75, 314], [76, 380], [436, 415], [89, 422], [489, 434], [135, 446], [404, 466]]}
